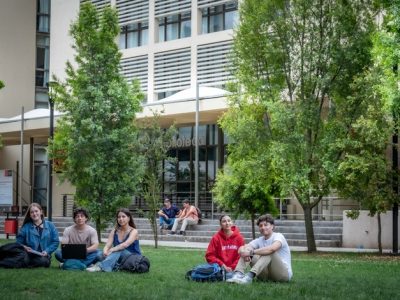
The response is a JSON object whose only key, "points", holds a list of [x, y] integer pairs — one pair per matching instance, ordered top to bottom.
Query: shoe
{"points": [[165, 226], [172, 233], [182, 233], [60, 265], [95, 268], [235, 278], [246, 279]]}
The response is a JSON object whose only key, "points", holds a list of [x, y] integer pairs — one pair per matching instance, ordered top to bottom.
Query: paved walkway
{"points": [[193, 245]]}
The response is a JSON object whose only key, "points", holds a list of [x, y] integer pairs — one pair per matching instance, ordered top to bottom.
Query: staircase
{"points": [[327, 233]]}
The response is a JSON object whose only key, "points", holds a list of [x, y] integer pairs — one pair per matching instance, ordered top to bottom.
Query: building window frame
{"points": [[214, 11], [167, 22], [128, 29]]}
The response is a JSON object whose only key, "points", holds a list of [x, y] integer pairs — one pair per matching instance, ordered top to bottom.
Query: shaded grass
{"points": [[316, 276]]}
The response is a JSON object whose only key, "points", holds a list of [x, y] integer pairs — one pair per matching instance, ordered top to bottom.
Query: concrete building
{"points": [[170, 46]]}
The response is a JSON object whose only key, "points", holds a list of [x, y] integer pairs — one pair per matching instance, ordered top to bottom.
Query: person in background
{"points": [[168, 214], [188, 216], [81, 233], [38, 236], [122, 241], [224, 245], [269, 256]]}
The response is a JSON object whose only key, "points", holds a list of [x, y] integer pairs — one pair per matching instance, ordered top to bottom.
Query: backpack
{"points": [[199, 214], [13, 255], [135, 263], [74, 265], [206, 272]]}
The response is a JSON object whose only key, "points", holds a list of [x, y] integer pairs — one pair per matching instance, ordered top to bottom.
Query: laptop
{"points": [[73, 251]]}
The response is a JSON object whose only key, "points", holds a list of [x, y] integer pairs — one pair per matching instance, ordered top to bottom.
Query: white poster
{"points": [[6, 187]]}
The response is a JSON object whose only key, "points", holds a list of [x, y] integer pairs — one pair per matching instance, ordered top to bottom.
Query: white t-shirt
{"points": [[283, 252]]}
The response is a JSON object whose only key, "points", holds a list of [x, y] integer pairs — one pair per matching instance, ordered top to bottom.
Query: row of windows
{"points": [[218, 18]]}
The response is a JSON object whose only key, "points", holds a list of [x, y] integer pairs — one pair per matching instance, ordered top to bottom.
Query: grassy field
{"points": [[317, 276]]}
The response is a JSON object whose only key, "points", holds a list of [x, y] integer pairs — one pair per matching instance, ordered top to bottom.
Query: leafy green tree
{"points": [[298, 61], [1, 84], [96, 140], [154, 146], [243, 186]]}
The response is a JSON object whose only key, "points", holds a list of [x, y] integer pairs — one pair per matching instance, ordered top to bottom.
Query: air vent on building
{"points": [[98, 3], [208, 3], [168, 7], [130, 11], [213, 64], [135, 68], [172, 70]]}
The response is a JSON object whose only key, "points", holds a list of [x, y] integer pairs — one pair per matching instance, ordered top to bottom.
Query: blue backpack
{"points": [[206, 272]]}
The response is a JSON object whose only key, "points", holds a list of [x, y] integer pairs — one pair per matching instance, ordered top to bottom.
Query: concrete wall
{"points": [[63, 13], [17, 56], [59, 189], [363, 232]]}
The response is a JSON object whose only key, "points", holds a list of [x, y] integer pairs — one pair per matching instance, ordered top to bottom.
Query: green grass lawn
{"points": [[317, 276]]}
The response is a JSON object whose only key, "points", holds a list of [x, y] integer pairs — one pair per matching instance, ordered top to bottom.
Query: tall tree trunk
{"points": [[253, 229], [155, 231], [379, 233], [311, 246]]}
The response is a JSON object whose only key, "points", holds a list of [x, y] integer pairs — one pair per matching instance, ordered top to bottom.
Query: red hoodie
{"points": [[223, 249]]}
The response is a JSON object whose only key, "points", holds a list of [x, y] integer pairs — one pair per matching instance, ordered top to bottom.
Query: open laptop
{"points": [[73, 251]]}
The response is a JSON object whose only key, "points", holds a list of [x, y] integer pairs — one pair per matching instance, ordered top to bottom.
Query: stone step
{"points": [[327, 233]]}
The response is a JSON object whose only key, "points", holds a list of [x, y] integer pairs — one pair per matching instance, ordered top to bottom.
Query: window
{"points": [[43, 16], [218, 18], [174, 27], [134, 35], [42, 60]]}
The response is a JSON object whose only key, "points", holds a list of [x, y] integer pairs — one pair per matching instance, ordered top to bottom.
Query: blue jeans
{"points": [[168, 222], [91, 257], [111, 262]]}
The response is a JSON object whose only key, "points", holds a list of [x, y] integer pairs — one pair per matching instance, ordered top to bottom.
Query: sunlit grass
{"points": [[316, 276]]}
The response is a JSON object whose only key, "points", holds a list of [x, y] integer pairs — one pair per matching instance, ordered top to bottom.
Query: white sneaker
{"points": [[95, 268], [235, 278], [246, 279]]}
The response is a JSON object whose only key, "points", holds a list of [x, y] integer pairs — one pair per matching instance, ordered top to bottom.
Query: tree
{"points": [[298, 60], [1, 84], [96, 139], [154, 146], [244, 186]]}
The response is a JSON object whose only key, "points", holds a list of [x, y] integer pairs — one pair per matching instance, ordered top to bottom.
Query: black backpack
{"points": [[199, 214], [13, 255], [135, 263]]}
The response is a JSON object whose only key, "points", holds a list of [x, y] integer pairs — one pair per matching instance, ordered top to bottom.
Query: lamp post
{"points": [[51, 136]]}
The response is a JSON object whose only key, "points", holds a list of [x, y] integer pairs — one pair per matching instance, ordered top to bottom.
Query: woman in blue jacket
{"points": [[38, 236]]}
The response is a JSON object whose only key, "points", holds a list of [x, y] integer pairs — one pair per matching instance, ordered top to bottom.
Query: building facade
{"points": [[170, 46]]}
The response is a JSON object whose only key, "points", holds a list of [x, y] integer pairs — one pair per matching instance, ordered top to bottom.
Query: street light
{"points": [[51, 135]]}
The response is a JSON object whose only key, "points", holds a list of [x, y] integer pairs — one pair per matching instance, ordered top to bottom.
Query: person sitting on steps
{"points": [[168, 214], [188, 216]]}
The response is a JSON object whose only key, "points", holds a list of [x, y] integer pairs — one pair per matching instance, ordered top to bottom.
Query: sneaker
{"points": [[165, 226], [172, 233], [182, 233], [60, 265], [95, 268], [235, 278], [246, 279]]}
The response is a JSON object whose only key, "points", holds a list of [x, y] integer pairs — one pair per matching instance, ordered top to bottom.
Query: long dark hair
{"points": [[128, 213], [27, 217]]}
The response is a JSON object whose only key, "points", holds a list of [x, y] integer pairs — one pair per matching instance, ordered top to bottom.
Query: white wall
{"points": [[63, 13], [17, 56], [363, 232]]}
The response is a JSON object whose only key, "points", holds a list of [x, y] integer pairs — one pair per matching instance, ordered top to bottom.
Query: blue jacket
{"points": [[29, 236]]}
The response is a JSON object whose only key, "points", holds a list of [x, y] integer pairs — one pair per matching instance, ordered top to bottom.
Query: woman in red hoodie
{"points": [[224, 245]]}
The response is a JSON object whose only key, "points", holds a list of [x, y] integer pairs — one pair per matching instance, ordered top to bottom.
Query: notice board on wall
{"points": [[6, 187]]}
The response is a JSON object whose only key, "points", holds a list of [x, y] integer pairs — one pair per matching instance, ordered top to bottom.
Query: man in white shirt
{"points": [[269, 256]]}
